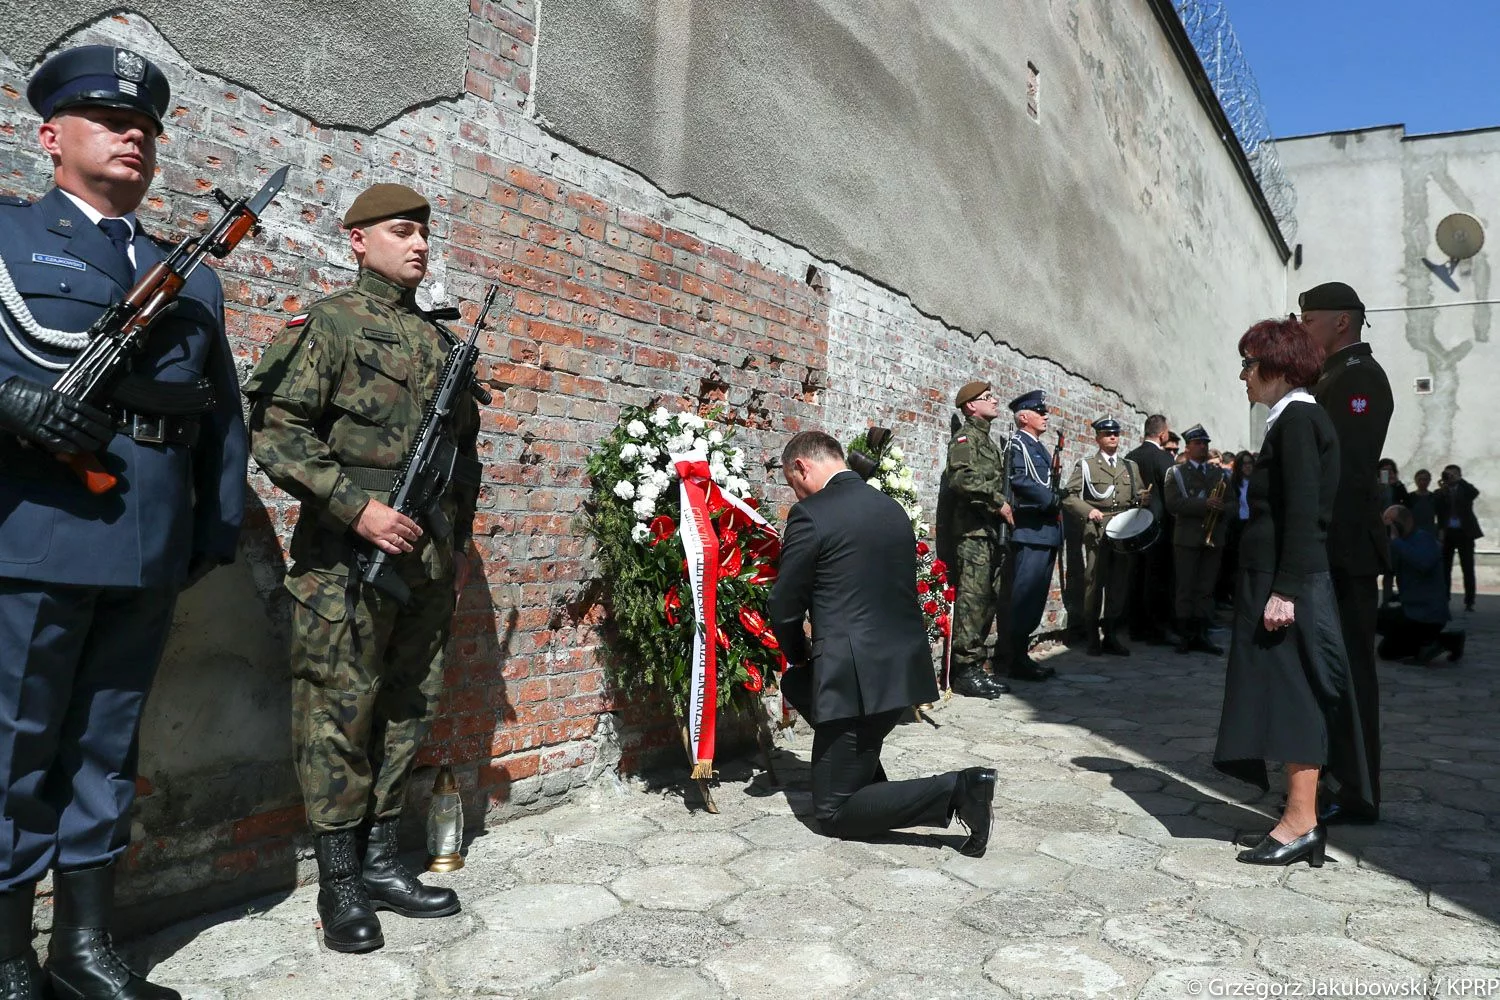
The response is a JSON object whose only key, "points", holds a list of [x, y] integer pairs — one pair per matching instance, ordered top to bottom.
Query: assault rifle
{"points": [[119, 335], [428, 469], [1057, 487]]}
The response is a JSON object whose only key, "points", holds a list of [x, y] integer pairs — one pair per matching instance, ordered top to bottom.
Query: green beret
{"points": [[387, 201], [1331, 296], [970, 392]]}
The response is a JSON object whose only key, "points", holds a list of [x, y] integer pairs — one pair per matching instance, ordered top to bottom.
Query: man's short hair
{"points": [[1154, 425], [812, 446], [1456, 470], [1404, 516]]}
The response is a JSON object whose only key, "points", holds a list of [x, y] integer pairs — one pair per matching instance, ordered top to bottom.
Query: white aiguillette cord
{"points": [[15, 305]]}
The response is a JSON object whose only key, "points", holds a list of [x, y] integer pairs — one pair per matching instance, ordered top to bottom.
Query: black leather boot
{"points": [[976, 683], [391, 884], [349, 921], [81, 960], [20, 977]]}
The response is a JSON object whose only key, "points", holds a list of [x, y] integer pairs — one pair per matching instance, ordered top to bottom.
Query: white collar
{"points": [[94, 215], [1295, 396], [1022, 430], [1155, 444], [1109, 460]]}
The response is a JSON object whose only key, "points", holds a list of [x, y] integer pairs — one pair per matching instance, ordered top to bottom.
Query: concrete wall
{"points": [[893, 136], [1369, 204], [625, 293]]}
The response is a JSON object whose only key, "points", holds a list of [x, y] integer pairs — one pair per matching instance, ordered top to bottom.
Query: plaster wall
{"points": [[893, 136], [1369, 203]]}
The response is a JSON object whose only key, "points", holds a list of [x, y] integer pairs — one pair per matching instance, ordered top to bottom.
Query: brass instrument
{"points": [[1211, 519]]}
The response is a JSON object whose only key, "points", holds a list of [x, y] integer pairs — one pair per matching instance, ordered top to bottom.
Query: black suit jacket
{"points": [[1356, 394], [1153, 461], [1293, 494], [1458, 501], [848, 560]]}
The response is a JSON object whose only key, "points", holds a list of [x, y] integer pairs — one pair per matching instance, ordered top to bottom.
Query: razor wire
{"points": [[1208, 26]]}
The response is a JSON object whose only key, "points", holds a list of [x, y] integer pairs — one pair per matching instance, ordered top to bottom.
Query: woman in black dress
{"points": [[1287, 695]]}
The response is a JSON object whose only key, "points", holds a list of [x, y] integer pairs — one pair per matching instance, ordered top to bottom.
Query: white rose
{"points": [[661, 417], [692, 420], [635, 429], [715, 437], [678, 444], [700, 445], [630, 452], [650, 452], [897, 454], [737, 460], [887, 464], [719, 473], [875, 482], [739, 486], [624, 490], [649, 491], [644, 508], [639, 533]]}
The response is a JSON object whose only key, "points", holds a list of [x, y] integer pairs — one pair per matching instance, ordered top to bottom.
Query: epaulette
{"points": [[14, 201]]}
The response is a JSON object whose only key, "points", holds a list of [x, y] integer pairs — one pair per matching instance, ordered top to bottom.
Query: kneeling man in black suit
{"points": [[848, 561]]}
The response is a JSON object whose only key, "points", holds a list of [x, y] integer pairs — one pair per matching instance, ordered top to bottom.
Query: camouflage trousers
{"points": [[979, 572], [364, 689]]}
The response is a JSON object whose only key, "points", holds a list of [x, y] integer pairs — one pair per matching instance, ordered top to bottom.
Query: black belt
{"points": [[156, 428]]}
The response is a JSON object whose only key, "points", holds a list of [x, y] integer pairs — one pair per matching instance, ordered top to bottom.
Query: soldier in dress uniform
{"points": [[1356, 394], [337, 401], [1102, 485], [1192, 492], [1037, 505], [974, 518], [88, 582]]}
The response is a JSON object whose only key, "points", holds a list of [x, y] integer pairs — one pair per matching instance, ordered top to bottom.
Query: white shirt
{"points": [[94, 215], [1295, 396]]}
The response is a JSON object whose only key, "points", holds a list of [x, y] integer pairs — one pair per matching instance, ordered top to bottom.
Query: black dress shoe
{"points": [[1114, 647], [1096, 648], [1030, 670], [975, 683], [974, 805], [1343, 814], [1309, 847], [392, 886]]}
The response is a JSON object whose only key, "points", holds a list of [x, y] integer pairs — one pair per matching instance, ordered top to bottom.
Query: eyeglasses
{"points": [[1247, 363], [985, 397]]}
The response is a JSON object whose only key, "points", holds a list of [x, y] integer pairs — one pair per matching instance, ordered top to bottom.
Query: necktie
{"points": [[118, 231]]}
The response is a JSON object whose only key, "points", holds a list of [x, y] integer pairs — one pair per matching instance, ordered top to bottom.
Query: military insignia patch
{"points": [[129, 66], [298, 320], [1358, 404], [961, 439]]}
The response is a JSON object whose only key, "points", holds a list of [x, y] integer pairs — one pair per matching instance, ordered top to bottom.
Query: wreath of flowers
{"points": [[634, 516], [935, 594]]}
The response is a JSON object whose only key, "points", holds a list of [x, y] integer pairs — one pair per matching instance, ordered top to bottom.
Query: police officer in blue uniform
{"points": [[1036, 503], [88, 582]]}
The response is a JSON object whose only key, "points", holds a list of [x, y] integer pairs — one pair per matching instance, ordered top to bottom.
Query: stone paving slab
{"points": [[1111, 872]]}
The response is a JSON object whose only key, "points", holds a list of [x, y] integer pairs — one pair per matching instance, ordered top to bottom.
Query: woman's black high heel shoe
{"points": [[1309, 847]]}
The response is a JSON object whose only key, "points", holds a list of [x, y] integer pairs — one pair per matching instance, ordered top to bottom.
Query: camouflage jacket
{"points": [[343, 387], [976, 483]]}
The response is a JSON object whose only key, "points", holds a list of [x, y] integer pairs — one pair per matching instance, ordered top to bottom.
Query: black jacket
{"points": [[1356, 394], [1153, 461], [1292, 496], [1457, 501], [848, 560]]}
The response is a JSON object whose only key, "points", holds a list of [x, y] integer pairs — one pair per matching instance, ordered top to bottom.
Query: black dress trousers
{"points": [[1359, 612], [851, 797]]}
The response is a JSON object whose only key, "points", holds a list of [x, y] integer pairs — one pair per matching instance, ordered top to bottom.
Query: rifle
{"points": [[120, 333], [428, 469], [1062, 547]]}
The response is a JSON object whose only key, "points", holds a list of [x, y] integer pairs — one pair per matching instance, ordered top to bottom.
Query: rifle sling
{"points": [[374, 480]]}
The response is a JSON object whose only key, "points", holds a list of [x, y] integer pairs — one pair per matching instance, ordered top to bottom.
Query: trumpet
{"points": [[1211, 519]]}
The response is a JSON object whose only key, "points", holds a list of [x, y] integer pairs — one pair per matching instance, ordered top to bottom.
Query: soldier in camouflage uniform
{"points": [[337, 401], [973, 521]]}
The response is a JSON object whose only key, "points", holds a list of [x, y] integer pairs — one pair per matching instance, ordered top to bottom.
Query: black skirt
{"points": [[1287, 694]]}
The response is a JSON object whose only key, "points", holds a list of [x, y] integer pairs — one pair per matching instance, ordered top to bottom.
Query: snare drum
{"points": [[1133, 530]]}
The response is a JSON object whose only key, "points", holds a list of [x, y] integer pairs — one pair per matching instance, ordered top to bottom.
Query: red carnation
{"points": [[662, 528], [922, 549], [923, 587], [949, 594], [670, 605], [930, 607], [756, 682]]}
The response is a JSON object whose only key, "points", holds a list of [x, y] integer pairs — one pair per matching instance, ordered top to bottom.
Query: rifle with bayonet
{"points": [[122, 331], [428, 468]]}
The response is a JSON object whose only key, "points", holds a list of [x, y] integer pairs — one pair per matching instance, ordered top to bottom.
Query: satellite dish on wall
{"points": [[1460, 236]]}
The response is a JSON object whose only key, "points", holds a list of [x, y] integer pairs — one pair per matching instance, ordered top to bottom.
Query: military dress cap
{"points": [[99, 76], [387, 201], [1333, 296], [970, 392], [1036, 400], [1106, 425], [1195, 433]]}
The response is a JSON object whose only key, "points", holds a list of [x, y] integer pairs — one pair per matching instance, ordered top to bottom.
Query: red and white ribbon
{"points": [[700, 544]]}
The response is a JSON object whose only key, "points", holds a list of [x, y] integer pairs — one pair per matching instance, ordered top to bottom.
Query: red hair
{"points": [[1285, 349]]}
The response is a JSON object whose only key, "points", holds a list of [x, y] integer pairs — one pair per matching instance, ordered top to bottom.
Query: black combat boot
{"points": [[1112, 644], [975, 682], [391, 884], [349, 921], [81, 959], [20, 977]]}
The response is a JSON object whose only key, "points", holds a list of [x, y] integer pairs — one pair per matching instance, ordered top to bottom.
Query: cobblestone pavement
{"points": [[1110, 873]]}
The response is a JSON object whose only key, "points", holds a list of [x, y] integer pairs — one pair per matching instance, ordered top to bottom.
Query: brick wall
{"points": [[621, 295]]}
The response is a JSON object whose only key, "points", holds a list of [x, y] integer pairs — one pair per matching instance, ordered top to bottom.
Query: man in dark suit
{"points": [[1356, 394], [1458, 528], [848, 562], [88, 582], [1152, 595]]}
